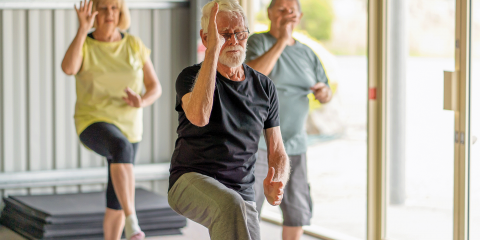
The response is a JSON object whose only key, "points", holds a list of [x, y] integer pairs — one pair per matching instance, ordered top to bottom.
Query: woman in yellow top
{"points": [[111, 67]]}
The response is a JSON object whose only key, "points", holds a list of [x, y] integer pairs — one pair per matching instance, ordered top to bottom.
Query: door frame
{"points": [[462, 117], [376, 119], [376, 201]]}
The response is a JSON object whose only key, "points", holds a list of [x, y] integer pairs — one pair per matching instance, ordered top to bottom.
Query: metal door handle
{"points": [[450, 91]]}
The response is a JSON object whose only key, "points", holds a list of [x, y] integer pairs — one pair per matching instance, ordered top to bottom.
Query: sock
{"points": [[131, 225]]}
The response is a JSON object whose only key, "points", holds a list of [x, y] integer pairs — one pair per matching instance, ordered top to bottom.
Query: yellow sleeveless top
{"points": [[107, 69]]}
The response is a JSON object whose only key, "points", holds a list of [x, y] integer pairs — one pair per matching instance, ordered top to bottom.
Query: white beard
{"points": [[232, 60]]}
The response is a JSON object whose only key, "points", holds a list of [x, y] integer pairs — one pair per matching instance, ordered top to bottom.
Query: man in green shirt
{"points": [[296, 71]]}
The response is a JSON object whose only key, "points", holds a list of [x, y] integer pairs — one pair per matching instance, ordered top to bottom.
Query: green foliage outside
{"points": [[262, 16], [317, 18]]}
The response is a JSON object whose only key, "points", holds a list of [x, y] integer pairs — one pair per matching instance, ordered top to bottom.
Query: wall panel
{"points": [[142, 28], [15, 92], [40, 100], [2, 101], [37, 101], [65, 139], [163, 140]]}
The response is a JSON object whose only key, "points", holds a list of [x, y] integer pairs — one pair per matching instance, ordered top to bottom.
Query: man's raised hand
{"points": [[286, 26], [214, 40]]}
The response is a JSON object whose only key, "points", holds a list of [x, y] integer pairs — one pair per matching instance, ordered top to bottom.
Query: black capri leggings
{"points": [[107, 140]]}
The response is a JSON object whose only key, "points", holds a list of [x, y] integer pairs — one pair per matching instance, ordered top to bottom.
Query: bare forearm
{"points": [[73, 57], [266, 62], [151, 94], [201, 99], [200, 102], [277, 157], [281, 163]]}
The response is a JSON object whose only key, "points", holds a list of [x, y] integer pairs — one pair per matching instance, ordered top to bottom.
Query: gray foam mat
{"points": [[87, 203], [12, 204], [83, 207], [80, 216], [162, 221], [96, 230], [148, 233]]}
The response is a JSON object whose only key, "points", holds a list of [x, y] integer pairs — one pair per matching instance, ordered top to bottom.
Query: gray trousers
{"points": [[211, 204]]}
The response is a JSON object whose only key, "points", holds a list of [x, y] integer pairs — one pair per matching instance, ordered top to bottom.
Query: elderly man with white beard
{"points": [[223, 106]]}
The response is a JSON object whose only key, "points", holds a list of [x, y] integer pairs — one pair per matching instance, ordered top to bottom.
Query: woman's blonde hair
{"points": [[124, 19]]}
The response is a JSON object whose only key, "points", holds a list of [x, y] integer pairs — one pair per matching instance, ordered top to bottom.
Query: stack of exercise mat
{"points": [[80, 216]]}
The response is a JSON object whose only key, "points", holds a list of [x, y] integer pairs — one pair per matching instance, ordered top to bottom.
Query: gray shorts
{"points": [[297, 203], [222, 210]]}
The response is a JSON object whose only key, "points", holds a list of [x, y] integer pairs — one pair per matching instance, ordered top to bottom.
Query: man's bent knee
{"points": [[230, 200]]}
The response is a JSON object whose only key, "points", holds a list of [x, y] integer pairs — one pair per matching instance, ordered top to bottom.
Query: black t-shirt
{"points": [[225, 148]]}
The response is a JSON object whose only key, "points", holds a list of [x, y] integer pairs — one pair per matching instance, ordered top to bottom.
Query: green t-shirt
{"points": [[297, 69]]}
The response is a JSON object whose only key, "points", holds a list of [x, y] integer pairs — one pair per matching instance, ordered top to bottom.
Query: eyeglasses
{"points": [[239, 36]]}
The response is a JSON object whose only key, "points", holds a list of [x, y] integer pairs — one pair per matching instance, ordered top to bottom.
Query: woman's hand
{"points": [[85, 16], [133, 99]]}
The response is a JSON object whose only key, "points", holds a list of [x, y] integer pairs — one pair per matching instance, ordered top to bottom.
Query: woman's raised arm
{"points": [[72, 62]]}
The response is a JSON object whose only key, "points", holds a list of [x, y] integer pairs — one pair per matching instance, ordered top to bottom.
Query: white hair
{"points": [[230, 6]]}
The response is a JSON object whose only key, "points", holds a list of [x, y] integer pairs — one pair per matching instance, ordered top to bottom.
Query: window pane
{"points": [[336, 30], [475, 123], [420, 149]]}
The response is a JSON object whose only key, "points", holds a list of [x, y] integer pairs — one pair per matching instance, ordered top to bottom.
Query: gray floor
{"points": [[193, 231]]}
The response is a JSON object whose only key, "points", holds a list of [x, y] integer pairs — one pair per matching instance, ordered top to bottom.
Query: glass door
{"points": [[336, 30], [419, 136], [422, 161], [474, 198]]}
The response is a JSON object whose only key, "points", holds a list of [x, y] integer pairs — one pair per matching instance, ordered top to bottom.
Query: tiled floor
{"points": [[193, 231]]}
